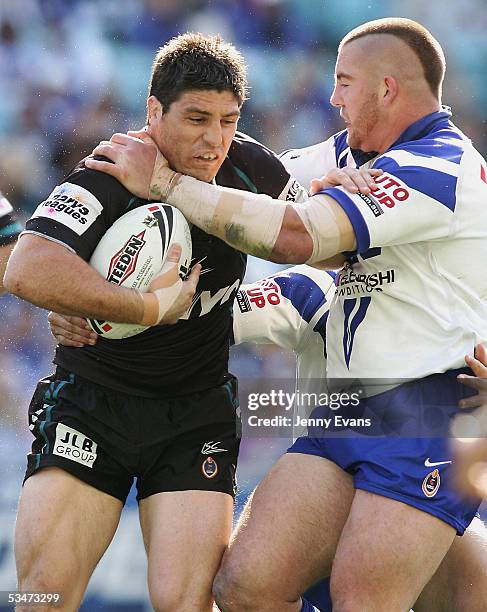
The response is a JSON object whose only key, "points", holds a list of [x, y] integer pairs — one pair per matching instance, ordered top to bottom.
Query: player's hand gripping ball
{"points": [[132, 252]]}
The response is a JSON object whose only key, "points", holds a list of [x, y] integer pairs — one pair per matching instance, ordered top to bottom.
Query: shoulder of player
{"points": [[243, 142], [445, 145], [316, 150], [245, 152], [328, 153], [439, 153], [258, 163], [430, 166], [100, 181], [107, 190]]}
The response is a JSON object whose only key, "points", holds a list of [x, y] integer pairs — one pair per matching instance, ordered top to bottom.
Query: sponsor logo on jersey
{"points": [[391, 191], [294, 192], [372, 204], [72, 206], [123, 263], [349, 283], [264, 292], [206, 300], [243, 301], [75, 446], [212, 447], [209, 468], [431, 483]]}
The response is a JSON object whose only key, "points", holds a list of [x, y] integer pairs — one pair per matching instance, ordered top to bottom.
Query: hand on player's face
{"points": [[196, 131], [195, 135], [134, 157], [351, 179], [71, 331]]}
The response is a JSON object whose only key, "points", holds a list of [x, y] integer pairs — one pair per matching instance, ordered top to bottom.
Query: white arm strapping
{"points": [[320, 219], [247, 221], [252, 222], [157, 302]]}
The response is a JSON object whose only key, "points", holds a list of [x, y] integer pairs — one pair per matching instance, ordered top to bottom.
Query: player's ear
{"points": [[389, 90], [154, 110]]}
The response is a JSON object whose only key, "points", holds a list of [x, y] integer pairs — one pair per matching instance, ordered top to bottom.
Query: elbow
{"points": [[294, 244], [292, 247], [29, 269], [16, 281], [12, 284]]}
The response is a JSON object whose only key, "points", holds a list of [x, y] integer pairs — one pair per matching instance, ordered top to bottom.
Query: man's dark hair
{"points": [[417, 37], [195, 61]]}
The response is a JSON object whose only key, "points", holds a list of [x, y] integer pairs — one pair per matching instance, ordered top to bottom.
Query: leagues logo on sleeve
{"points": [[71, 205]]}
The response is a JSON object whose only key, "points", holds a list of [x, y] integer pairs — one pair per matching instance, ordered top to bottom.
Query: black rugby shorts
{"points": [[107, 438]]}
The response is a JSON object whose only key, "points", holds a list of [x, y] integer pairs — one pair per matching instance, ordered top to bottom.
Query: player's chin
{"points": [[203, 174]]}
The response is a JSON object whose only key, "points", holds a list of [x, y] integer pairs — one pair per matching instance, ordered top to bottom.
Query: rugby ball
{"points": [[132, 251]]}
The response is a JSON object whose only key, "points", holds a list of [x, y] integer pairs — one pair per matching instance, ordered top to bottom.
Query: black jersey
{"points": [[10, 228], [191, 355]]}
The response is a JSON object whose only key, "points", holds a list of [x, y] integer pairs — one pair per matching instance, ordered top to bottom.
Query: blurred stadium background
{"points": [[74, 71]]}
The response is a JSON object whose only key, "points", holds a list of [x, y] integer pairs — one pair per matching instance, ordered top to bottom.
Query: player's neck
{"points": [[400, 120]]}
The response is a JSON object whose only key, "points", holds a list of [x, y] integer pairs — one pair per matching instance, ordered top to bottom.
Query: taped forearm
{"points": [[321, 219], [249, 222], [253, 223], [163, 294], [158, 302]]}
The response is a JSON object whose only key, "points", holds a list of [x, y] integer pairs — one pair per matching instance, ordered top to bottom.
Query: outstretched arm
{"points": [[253, 223]]}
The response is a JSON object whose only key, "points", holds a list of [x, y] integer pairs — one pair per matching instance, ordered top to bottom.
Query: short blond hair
{"points": [[427, 49]]}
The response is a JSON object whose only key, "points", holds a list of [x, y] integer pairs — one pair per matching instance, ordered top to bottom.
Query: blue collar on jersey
{"points": [[415, 131]]}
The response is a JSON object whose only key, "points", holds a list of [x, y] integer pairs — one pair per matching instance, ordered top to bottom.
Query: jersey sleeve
{"points": [[315, 161], [415, 201], [79, 211], [10, 227], [282, 308]]}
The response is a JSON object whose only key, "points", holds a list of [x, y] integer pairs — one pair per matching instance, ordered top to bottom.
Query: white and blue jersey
{"points": [[317, 160], [415, 289], [409, 304], [289, 309]]}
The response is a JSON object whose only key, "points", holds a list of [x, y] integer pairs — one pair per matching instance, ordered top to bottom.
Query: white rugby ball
{"points": [[133, 250]]}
